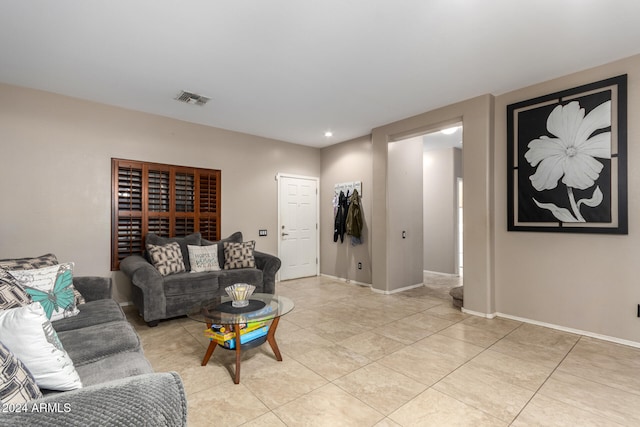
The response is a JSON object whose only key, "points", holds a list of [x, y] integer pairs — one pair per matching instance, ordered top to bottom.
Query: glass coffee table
{"points": [[261, 308]]}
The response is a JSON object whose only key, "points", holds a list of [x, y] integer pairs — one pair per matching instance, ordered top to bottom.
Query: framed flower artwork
{"points": [[567, 160]]}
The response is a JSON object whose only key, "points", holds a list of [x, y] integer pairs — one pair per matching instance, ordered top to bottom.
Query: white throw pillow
{"points": [[203, 258], [52, 287], [28, 334]]}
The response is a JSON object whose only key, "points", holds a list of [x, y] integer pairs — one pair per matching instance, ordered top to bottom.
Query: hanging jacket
{"points": [[354, 218], [340, 222]]}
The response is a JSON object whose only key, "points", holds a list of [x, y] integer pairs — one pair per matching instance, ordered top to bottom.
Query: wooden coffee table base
{"points": [[271, 339]]}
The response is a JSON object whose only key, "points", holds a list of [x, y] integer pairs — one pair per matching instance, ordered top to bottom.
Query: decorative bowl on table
{"points": [[240, 293]]}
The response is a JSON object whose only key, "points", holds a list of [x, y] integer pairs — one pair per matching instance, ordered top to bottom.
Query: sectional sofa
{"points": [[119, 386]]}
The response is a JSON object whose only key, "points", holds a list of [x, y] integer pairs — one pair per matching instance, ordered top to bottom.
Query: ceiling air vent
{"points": [[192, 98]]}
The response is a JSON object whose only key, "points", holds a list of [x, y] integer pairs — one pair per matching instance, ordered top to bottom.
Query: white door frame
{"points": [[312, 178]]}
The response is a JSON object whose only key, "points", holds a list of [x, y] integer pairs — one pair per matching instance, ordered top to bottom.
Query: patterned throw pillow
{"points": [[235, 238], [191, 239], [239, 255], [203, 258], [166, 259], [46, 260], [52, 287], [11, 293], [78, 296], [29, 335], [17, 385]]}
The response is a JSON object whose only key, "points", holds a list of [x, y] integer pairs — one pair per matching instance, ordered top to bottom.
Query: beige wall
{"points": [[476, 115], [345, 162], [441, 167], [55, 174], [405, 237], [583, 281]]}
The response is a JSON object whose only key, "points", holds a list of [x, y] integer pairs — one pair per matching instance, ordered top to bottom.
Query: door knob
{"points": [[284, 234]]}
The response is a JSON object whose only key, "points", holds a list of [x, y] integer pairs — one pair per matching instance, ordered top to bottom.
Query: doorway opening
{"points": [[443, 209]]}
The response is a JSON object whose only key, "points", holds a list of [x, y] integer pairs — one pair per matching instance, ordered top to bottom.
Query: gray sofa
{"points": [[160, 297], [119, 385]]}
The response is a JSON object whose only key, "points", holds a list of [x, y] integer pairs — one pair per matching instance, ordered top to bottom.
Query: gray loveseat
{"points": [[160, 297], [119, 385]]}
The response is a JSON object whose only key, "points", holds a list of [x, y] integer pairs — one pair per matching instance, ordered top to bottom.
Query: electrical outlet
{"points": [[262, 233], [359, 266]]}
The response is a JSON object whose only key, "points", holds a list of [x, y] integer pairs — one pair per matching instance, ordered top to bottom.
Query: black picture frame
{"points": [[560, 175]]}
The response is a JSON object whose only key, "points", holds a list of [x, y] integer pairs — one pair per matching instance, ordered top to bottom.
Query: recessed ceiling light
{"points": [[450, 131], [328, 134]]}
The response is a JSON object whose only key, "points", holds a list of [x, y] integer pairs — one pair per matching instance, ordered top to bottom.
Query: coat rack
{"points": [[349, 186]]}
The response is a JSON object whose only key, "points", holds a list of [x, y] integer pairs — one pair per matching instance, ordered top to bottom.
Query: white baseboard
{"points": [[439, 273], [342, 279], [369, 285], [395, 291], [478, 314], [570, 330]]}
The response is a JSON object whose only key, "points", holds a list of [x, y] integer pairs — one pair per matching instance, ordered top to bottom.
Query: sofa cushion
{"points": [[234, 238], [191, 239], [239, 255], [167, 259], [251, 276], [187, 283], [93, 287], [179, 305], [91, 313], [28, 334], [93, 343], [113, 367], [17, 385]]}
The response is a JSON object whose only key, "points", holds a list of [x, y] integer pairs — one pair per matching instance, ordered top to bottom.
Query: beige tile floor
{"points": [[356, 358]]}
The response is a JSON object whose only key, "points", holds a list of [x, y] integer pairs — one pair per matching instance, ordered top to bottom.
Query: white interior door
{"points": [[298, 226]]}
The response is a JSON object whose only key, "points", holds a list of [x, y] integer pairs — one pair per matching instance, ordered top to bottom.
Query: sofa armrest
{"points": [[269, 264], [136, 266], [150, 282], [93, 288], [151, 399]]}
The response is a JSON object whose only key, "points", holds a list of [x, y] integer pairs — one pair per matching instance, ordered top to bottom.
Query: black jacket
{"points": [[340, 222]]}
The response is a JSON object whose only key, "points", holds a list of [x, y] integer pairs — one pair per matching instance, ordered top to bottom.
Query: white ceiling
{"points": [[292, 69], [438, 140]]}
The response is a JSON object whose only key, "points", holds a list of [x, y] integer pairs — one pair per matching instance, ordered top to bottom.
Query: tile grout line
{"points": [[193, 335], [482, 352], [464, 364], [545, 381], [332, 382], [384, 416]]}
